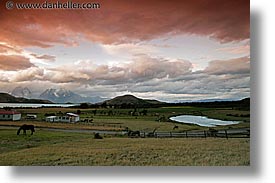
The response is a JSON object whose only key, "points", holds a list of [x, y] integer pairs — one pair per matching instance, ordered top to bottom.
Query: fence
{"points": [[106, 125], [230, 133]]}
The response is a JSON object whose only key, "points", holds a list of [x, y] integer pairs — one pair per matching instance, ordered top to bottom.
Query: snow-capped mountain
{"points": [[22, 92], [62, 95]]}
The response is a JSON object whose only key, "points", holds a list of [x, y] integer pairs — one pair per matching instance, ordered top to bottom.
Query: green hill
{"points": [[130, 101]]}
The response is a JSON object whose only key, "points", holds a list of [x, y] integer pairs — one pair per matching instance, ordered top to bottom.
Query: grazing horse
{"points": [[26, 127], [176, 127], [213, 132], [133, 133], [152, 134], [97, 136]]}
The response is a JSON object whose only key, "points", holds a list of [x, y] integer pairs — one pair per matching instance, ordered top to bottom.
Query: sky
{"points": [[157, 49]]}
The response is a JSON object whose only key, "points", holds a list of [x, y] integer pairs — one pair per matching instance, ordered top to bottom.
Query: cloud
{"points": [[127, 21], [8, 49], [129, 49], [243, 49], [49, 58], [14, 62], [232, 66], [142, 68], [30, 74], [144, 76]]}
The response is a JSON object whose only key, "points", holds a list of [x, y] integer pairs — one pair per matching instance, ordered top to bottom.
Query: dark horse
{"points": [[176, 127], [24, 128], [133, 133]]}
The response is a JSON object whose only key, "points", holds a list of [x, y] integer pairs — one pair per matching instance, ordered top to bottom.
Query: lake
{"points": [[17, 105], [202, 121]]}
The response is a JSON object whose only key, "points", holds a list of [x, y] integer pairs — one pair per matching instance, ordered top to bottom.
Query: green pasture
{"points": [[154, 118]]}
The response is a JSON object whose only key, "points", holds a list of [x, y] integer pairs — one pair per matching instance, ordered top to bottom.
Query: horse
{"points": [[176, 127], [24, 128], [213, 132], [133, 133], [152, 134]]}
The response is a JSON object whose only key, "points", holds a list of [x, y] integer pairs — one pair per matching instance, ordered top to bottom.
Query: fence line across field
{"points": [[231, 133]]}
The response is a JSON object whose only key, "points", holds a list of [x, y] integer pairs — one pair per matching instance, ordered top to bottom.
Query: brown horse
{"points": [[24, 128]]}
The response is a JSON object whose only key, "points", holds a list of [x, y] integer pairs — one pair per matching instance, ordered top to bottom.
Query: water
{"points": [[17, 105], [202, 121]]}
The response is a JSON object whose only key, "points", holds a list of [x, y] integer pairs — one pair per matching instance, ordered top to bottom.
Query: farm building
{"points": [[9, 115], [31, 116], [69, 117]]}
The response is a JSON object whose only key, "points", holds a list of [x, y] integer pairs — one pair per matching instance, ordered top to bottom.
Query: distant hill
{"points": [[7, 98], [126, 101], [154, 101], [243, 104]]}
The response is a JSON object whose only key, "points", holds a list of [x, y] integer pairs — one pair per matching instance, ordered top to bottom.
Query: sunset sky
{"points": [[165, 50]]}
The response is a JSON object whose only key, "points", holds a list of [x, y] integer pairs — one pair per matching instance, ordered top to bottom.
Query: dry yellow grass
{"points": [[58, 148]]}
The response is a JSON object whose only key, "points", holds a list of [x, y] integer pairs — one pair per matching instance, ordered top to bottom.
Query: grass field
{"points": [[120, 118], [60, 148], [70, 148]]}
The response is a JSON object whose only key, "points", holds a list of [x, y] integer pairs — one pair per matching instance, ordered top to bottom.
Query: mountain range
{"points": [[21, 92], [60, 95], [7, 98], [125, 101]]}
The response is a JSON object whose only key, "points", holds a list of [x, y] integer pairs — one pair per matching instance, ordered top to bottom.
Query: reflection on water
{"points": [[201, 120]]}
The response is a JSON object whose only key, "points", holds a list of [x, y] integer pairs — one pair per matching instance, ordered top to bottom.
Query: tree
{"points": [[84, 106], [144, 112]]}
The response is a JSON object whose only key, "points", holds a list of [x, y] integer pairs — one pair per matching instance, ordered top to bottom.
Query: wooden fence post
{"points": [[204, 133], [171, 134], [186, 134], [226, 134]]}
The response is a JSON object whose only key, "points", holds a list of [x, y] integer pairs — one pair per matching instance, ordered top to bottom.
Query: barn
{"points": [[9, 115]]}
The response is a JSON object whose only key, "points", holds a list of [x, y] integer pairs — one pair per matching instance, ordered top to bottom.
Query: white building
{"points": [[9, 115], [31, 116], [73, 117], [69, 118]]}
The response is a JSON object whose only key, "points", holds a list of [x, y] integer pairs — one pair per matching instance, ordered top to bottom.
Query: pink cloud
{"points": [[123, 21], [243, 49], [50, 58], [14, 62], [232, 66]]}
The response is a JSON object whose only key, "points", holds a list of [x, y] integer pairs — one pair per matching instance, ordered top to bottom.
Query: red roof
{"points": [[9, 112]]}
